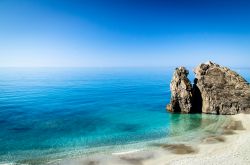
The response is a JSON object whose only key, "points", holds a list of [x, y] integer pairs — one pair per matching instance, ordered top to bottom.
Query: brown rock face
{"points": [[181, 88], [216, 90], [222, 91]]}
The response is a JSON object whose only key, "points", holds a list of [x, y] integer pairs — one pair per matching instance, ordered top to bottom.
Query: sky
{"points": [[124, 33]]}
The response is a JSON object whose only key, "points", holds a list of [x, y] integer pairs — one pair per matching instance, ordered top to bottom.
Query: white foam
{"points": [[125, 152]]}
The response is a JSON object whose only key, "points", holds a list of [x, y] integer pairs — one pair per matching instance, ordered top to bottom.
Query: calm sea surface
{"points": [[55, 113]]}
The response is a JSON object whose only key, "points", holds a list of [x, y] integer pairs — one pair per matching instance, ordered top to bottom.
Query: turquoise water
{"points": [[55, 113]]}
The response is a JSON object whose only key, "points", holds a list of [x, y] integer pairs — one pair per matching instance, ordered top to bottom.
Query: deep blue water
{"points": [[47, 113]]}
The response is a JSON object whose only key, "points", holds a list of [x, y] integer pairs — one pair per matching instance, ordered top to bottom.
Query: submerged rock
{"points": [[216, 90], [179, 148]]}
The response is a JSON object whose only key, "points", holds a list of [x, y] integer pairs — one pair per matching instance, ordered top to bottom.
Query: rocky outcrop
{"points": [[181, 88], [216, 90], [223, 91]]}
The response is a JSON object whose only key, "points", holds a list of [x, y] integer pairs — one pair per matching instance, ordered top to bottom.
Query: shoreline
{"points": [[229, 148], [232, 149]]}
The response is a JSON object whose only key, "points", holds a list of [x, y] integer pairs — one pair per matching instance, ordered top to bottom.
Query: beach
{"points": [[64, 122], [232, 147]]}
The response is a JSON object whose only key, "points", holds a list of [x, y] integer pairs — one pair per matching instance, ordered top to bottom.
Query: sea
{"points": [[51, 114]]}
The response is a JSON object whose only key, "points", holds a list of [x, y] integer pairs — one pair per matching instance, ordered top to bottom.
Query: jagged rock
{"points": [[181, 88], [216, 90], [223, 91]]}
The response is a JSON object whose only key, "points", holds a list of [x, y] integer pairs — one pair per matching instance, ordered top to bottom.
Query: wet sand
{"points": [[231, 147]]}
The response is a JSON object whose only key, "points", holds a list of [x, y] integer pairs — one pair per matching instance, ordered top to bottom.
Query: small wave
{"points": [[125, 152]]}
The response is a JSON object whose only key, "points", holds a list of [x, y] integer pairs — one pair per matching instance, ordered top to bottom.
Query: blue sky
{"points": [[124, 33]]}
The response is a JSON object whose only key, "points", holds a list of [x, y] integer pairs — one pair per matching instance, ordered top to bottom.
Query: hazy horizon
{"points": [[126, 33]]}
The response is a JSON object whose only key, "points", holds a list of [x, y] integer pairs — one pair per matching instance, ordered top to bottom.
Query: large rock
{"points": [[181, 88], [216, 90], [223, 91]]}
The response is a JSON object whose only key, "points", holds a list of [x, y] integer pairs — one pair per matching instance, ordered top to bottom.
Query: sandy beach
{"points": [[232, 147]]}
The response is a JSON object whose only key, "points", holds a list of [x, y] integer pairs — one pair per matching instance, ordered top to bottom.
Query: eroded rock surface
{"points": [[181, 89], [216, 90], [223, 91]]}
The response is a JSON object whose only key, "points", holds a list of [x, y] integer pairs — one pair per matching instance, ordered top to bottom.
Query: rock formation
{"points": [[181, 88], [216, 90]]}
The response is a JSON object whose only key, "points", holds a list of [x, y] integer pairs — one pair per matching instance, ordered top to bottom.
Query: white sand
{"points": [[234, 150]]}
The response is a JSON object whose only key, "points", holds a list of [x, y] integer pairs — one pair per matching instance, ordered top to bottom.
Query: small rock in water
{"points": [[235, 125], [228, 132], [214, 139], [179, 148], [137, 158], [136, 161], [92, 162]]}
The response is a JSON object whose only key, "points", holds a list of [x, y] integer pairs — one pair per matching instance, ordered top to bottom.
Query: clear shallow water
{"points": [[53, 113]]}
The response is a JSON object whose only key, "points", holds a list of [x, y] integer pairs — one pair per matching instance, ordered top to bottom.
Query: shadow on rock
{"points": [[197, 98]]}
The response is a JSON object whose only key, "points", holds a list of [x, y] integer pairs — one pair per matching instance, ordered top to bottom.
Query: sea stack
{"points": [[181, 89], [216, 90]]}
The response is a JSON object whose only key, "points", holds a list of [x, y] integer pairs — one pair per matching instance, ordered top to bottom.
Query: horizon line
{"points": [[170, 66]]}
